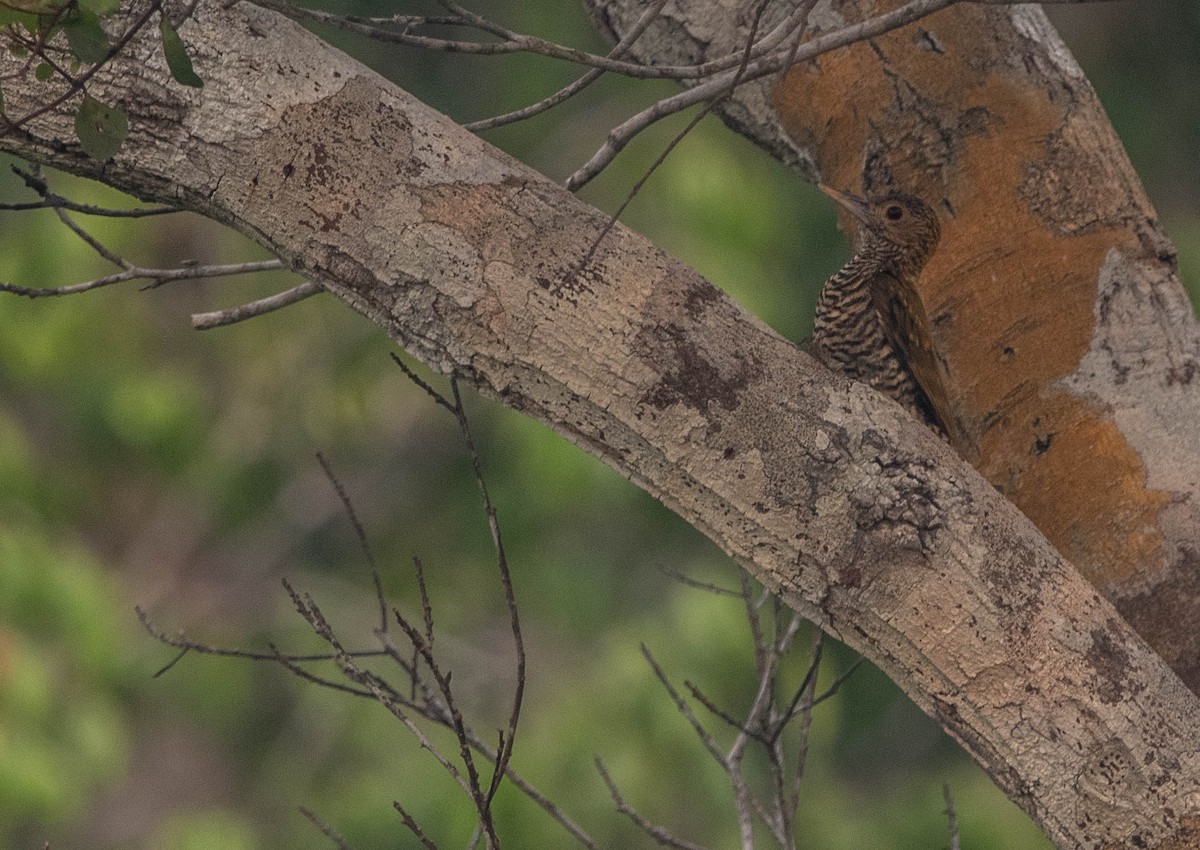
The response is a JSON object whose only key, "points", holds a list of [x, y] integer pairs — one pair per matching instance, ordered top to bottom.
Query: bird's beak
{"points": [[852, 204]]}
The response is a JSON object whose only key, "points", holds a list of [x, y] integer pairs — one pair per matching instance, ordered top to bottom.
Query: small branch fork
{"points": [[776, 51], [129, 271], [427, 694], [764, 725]]}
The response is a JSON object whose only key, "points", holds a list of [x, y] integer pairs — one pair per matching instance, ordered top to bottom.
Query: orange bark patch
{"points": [[1011, 289], [1085, 489]]}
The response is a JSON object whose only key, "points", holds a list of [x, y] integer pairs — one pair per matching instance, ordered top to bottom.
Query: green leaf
{"points": [[88, 40], [177, 59], [43, 71], [101, 129]]}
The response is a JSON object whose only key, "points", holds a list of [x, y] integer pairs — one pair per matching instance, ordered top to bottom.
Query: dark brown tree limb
{"points": [[833, 496]]}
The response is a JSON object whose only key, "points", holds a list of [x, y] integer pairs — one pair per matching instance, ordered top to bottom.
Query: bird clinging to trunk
{"points": [[870, 323]]}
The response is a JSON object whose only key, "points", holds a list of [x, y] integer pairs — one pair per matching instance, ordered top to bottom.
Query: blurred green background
{"points": [[144, 463]]}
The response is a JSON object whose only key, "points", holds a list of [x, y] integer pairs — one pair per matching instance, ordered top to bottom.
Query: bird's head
{"points": [[900, 227]]}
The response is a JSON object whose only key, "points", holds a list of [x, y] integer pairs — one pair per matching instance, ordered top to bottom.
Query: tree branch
{"points": [[233, 315], [1071, 346], [858, 516]]}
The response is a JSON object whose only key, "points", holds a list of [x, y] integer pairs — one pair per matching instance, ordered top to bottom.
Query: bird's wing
{"points": [[907, 327]]}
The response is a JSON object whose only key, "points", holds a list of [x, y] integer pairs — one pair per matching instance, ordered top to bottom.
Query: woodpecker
{"points": [[870, 323]]}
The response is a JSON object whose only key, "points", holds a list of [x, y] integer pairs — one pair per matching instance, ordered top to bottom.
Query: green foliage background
{"points": [[143, 463]]}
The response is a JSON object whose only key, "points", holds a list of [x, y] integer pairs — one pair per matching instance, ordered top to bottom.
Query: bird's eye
{"points": [[894, 212]]}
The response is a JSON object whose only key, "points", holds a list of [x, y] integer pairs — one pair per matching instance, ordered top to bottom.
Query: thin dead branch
{"points": [[512, 42], [745, 72], [569, 91], [679, 137], [50, 200], [129, 271], [153, 276], [156, 276], [233, 315], [696, 584], [773, 630], [430, 692], [509, 735], [951, 816], [658, 833], [337, 840], [426, 842]]}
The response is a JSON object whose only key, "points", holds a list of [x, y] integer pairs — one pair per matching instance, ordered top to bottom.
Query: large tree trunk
{"points": [[1073, 352], [828, 493]]}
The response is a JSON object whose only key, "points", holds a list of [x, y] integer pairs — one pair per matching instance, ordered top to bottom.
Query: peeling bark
{"points": [[830, 494]]}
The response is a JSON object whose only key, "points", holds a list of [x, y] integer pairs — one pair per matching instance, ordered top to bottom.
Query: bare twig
{"points": [[805, 9], [383, 29], [514, 42], [578, 85], [622, 134], [679, 137], [50, 200], [92, 242], [128, 271], [140, 273], [233, 315], [420, 382], [351, 513], [361, 534], [709, 587], [426, 606], [311, 614], [756, 633], [182, 643], [422, 644], [289, 663], [805, 689], [832, 690], [435, 704], [430, 709], [715, 709], [805, 712], [756, 718], [764, 723], [508, 736], [706, 739], [505, 752], [471, 783], [951, 816], [328, 832], [658, 833], [426, 842]]}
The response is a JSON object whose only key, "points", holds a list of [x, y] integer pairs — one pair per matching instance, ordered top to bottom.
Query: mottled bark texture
{"points": [[1072, 349], [857, 515]]}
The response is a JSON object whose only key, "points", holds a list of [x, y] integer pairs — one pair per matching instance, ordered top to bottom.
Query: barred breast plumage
{"points": [[870, 322]]}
